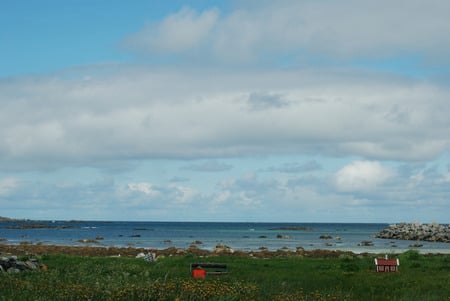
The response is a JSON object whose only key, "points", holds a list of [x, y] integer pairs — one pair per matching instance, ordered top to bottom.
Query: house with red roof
{"points": [[387, 265]]}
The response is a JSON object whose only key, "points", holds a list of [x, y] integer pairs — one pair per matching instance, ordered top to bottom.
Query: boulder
{"points": [[325, 237], [365, 243], [219, 249]]}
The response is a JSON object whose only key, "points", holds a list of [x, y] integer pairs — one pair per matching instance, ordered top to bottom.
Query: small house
{"points": [[387, 265]]}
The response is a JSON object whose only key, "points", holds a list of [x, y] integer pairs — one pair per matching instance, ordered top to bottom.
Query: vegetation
{"points": [[290, 278]]}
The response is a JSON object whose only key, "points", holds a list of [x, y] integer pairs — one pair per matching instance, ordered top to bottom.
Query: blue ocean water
{"points": [[239, 235]]}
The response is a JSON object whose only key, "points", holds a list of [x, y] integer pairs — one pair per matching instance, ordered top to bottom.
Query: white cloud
{"points": [[337, 29], [178, 32], [148, 114], [362, 176], [8, 186], [145, 188], [184, 194]]}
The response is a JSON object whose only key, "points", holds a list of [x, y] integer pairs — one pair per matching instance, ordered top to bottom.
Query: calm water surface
{"points": [[239, 236]]}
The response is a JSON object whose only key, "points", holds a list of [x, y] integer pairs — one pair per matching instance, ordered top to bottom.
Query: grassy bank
{"points": [[290, 278]]}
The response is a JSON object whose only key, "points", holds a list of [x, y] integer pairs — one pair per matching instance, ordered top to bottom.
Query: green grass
{"points": [[423, 278]]}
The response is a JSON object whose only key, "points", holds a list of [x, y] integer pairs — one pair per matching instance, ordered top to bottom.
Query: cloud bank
{"points": [[50, 122]]}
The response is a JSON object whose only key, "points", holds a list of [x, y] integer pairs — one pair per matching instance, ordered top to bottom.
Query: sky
{"points": [[239, 110]]}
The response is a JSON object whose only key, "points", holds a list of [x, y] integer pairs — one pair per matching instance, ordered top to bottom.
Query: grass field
{"points": [[420, 278]]}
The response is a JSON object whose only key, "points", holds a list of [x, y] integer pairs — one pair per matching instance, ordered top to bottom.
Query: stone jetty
{"points": [[416, 231]]}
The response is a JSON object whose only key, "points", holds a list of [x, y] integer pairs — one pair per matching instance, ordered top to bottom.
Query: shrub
{"points": [[412, 255]]}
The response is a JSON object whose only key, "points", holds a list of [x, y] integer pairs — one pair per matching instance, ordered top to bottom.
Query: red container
{"points": [[199, 273]]}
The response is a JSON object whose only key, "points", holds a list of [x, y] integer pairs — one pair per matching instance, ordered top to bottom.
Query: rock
{"points": [[416, 231], [283, 236], [325, 237], [365, 243], [223, 249], [284, 249], [300, 250], [180, 251], [140, 255], [150, 257], [32, 265]]}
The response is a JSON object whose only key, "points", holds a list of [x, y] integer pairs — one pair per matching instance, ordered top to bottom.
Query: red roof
{"points": [[382, 261]]}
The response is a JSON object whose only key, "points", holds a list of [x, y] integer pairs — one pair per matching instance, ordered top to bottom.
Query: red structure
{"points": [[387, 265], [198, 272]]}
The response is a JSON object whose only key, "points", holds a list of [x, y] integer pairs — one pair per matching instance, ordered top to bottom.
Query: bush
{"points": [[412, 255]]}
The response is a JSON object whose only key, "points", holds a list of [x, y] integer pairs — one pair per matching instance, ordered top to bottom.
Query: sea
{"points": [[244, 236]]}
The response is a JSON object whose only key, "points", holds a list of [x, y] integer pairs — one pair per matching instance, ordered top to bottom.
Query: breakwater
{"points": [[433, 232]]}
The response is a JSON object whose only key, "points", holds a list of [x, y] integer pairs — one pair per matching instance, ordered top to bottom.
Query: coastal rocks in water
{"points": [[416, 231], [283, 236], [325, 237], [365, 243], [13, 265]]}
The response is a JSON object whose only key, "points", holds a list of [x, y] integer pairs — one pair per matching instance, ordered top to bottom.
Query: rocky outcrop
{"points": [[416, 231], [12, 265]]}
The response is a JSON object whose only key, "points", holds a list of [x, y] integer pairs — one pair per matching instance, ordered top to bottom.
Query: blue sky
{"points": [[299, 111]]}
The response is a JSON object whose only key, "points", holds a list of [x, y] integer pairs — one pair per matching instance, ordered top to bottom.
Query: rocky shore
{"points": [[433, 232], [222, 250]]}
